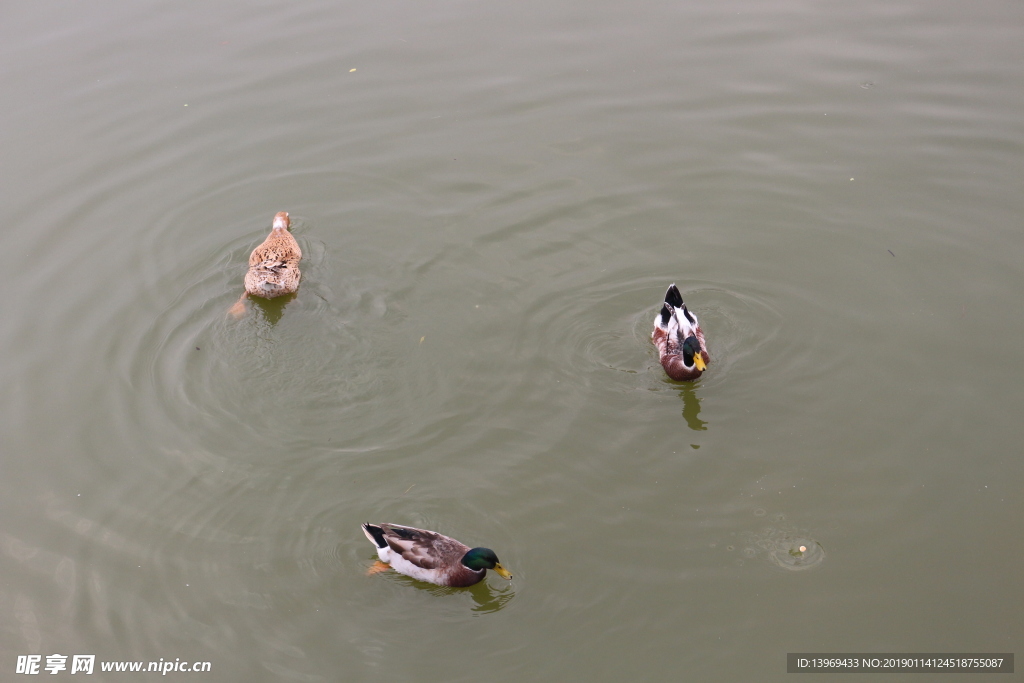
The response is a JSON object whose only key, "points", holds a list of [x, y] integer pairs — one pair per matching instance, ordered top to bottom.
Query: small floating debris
{"points": [[788, 549], [796, 555]]}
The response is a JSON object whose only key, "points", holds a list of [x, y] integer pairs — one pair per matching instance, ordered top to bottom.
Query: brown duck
{"points": [[273, 266]]}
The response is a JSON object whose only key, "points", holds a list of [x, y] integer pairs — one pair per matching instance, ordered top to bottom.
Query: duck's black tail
{"points": [[673, 297], [375, 534]]}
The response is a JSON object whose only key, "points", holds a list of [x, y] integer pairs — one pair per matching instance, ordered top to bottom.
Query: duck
{"points": [[273, 266], [679, 339], [430, 556]]}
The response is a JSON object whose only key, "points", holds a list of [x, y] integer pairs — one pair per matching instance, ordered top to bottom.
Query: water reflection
{"points": [[271, 310], [691, 409], [486, 598], [489, 599]]}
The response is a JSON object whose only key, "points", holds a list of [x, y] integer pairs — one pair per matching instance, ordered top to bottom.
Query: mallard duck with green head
{"points": [[679, 339], [432, 557]]}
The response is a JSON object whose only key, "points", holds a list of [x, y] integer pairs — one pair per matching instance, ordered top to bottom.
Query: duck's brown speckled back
{"points": [[274, 265]]}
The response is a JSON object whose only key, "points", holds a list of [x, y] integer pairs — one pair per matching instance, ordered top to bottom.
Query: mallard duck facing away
{"points": [[273, 266], [679, 339], [430, 556]]}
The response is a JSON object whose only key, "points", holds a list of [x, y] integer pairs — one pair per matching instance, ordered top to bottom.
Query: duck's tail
{"points": [[281, 221], [672, 297], [673, 302], [238, 310], [375, 534]]}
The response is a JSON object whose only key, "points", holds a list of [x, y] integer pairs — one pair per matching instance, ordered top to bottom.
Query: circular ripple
{"points": [[601, 323], [608, 325], [286, 375], [788, 549]]}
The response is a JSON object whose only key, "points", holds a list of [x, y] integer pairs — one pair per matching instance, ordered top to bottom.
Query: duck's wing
{"points": [[277, 247], [688, 324], [425, 549]]}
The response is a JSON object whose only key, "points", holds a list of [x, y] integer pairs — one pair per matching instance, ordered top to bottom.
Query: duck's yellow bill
{"points": [[698, 361], [502, 572]]}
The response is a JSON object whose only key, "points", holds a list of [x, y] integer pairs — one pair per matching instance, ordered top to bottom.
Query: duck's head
{"points": [[281, 221], [691, 353], [484, 558]]}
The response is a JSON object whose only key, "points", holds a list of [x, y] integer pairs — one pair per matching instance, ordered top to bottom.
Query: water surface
{"points": [[491, 200]]}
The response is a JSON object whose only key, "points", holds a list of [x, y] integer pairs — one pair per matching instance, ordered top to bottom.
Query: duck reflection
{"points": [[271, 310], [691, 408], [487, 598], [490, 599]]}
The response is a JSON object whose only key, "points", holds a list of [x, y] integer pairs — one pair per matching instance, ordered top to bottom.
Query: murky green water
{"points": [[491, 199]]}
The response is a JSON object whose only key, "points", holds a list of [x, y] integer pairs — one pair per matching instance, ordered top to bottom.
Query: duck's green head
{"points": [[691, 353], [484, 558]]}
